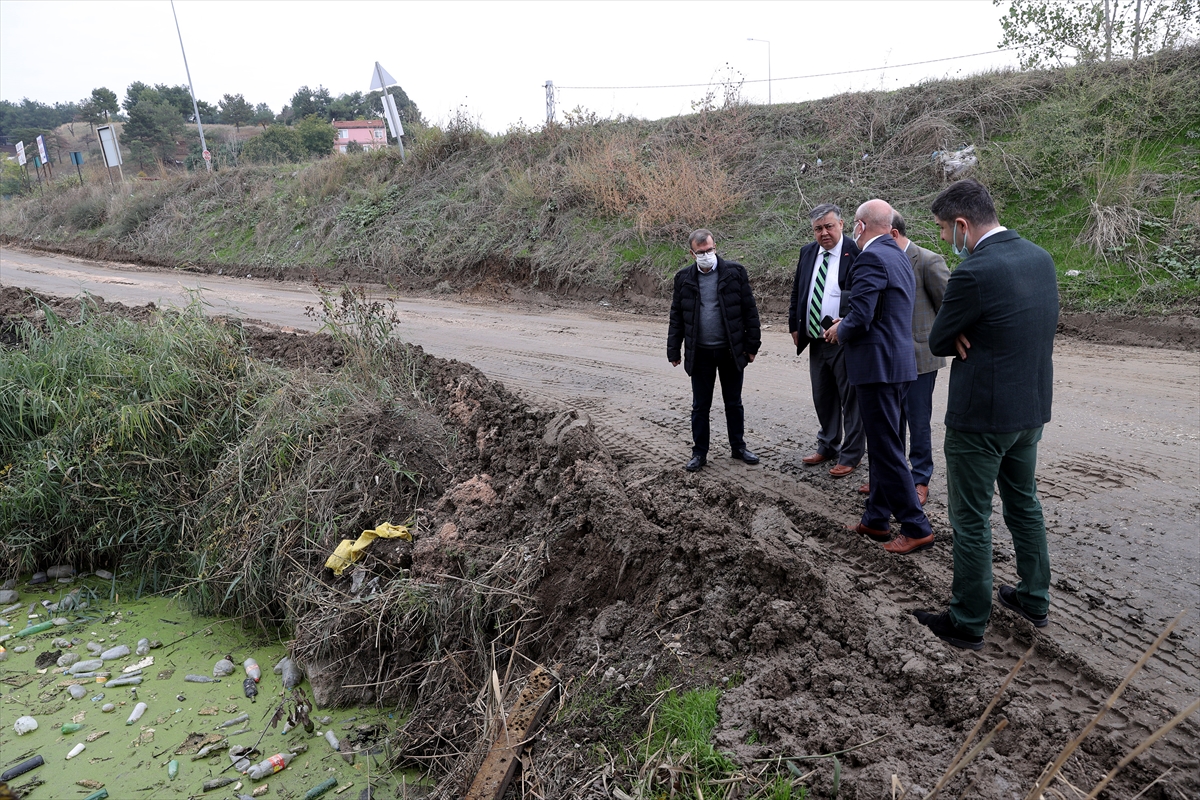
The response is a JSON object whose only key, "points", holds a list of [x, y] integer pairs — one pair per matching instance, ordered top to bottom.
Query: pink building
{"points": [[370, 133]]}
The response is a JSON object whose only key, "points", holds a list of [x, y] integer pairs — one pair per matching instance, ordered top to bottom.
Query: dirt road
{"points": [[1119, 463]]}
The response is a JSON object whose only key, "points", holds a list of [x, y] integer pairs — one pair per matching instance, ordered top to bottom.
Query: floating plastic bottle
{"points": [[32, 629], [143, 647], [94, 648], [120, 651], [67, 659], [86, 666], [222, 668], [252, 669], [292, 675], [198, 679], [134, 680], [251, 689], [76, 691], [138, 710], [229, 723], [25, 725], [71, 727], [331, 737], [76, 750], [269, 767], [21, 769], [172, 769], [216, 783], [320, 789], [99, 794]]}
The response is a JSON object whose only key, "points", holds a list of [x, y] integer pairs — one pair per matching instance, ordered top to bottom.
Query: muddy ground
{"points": [[744, 576]]}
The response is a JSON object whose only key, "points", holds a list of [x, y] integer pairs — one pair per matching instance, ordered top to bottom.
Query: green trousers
{"points": [[975, 464]]}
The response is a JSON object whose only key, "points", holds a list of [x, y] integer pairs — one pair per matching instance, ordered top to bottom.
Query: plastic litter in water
{"points": [[138, 710], [25, 725], [76, 750]]}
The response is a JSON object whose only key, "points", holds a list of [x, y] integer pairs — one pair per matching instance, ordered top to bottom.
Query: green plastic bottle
{"points": [[71, 727], [172, 769]]}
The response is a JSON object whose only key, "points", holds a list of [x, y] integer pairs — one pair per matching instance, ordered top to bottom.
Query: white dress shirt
{"points": [[832, 300]]}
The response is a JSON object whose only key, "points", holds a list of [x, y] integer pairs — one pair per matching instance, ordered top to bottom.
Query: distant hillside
{"points": [[1099, 164]]}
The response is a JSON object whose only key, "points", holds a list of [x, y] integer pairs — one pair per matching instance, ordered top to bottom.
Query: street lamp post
{"points": [[768, 44]]}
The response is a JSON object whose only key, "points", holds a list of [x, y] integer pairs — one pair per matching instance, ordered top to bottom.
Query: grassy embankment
{"points": [[1097, 164], [163, 451]]}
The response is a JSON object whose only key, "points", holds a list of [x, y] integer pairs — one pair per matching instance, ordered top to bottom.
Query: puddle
{"points": [[131, 761]]}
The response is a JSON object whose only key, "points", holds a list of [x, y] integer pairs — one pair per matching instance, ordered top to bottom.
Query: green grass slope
{"points": [[1098, 164]]}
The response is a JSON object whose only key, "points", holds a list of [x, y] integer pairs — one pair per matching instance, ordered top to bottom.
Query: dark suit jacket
{"points": [[1004, 298], [737, 304], [798, 311], [877, 330]]}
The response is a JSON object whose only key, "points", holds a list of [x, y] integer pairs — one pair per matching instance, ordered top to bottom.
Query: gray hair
{"points": [[822, 210], [699, 236]]}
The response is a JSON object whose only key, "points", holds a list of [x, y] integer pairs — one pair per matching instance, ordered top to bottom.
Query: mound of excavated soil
{"points": [[542, 549]]}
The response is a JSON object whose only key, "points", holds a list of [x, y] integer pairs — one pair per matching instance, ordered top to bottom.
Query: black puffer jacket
{"points": [[737, 306]]}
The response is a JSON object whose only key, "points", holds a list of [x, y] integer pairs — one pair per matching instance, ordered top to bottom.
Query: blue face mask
{"points": [[960, 252]]}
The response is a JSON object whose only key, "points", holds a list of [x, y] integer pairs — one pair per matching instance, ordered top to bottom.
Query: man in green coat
{"points": [[998, 316]]}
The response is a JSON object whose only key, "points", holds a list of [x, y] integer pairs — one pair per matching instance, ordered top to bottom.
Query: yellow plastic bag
{"points": [[350, 551]]}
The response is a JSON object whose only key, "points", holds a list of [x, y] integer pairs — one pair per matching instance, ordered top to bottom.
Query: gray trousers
{"points": [[836, 403]]}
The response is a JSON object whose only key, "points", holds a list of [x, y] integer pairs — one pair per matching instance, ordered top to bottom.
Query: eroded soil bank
{"points": [[544, 549]]}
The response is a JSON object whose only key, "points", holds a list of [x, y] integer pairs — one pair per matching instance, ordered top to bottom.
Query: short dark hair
{"points": [[968, 199], [822, 210], [898, 223], [699, 236]]}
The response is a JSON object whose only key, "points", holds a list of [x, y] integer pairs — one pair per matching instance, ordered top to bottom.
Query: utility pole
{"points": [[768, 44], [192, 89], [549, 102]]}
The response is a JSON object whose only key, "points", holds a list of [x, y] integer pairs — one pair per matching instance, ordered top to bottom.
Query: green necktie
{"points": [[818, 296]]}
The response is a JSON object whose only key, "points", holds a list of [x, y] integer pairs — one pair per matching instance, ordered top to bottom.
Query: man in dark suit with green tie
{"points": [[999, 315]]}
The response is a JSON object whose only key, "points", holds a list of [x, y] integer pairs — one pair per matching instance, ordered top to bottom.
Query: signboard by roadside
{"points": [[41, 144], [111, 150], [21, 153], [207, 156]]}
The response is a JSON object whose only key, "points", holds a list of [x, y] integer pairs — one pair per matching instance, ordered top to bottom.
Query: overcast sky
{"points": [[492, 58]]}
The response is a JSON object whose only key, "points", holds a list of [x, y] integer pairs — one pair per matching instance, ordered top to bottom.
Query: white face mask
{"points": [[706, 261]]}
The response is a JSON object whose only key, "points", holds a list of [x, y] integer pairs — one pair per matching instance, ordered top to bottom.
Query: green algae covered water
{"points": [[133, 760]]}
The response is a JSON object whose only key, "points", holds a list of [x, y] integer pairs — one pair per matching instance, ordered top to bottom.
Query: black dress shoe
{"points": [[747, 456], [696, 463], [1008, 599], [947, 631]]}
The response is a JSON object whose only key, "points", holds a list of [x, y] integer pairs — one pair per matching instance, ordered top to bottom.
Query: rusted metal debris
{"points": [[514, 732]]}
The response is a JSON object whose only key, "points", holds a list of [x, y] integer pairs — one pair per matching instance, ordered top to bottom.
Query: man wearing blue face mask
{"points": [[998, 315], [714, 319]]}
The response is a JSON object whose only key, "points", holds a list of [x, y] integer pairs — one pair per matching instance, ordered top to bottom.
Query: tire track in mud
{"points": [[1064, 673]]}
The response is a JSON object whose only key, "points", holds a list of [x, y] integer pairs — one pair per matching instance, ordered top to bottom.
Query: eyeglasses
{"points": [[705, 251]]}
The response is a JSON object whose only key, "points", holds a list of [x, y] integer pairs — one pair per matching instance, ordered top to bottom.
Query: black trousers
{"points": [[706, 366]]}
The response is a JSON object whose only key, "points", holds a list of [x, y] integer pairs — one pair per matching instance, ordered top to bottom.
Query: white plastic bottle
{"points": [[251, 667], [138, 710], [269, 767]]}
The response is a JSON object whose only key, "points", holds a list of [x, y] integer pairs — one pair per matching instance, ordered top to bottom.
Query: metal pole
{"points": [[192, 89], [383, 89], [79, 169]]}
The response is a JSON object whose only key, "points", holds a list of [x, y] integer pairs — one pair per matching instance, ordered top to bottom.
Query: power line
{"points": [[797, 77]]}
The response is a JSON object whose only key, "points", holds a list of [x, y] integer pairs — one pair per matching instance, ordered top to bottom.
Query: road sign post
{"points": [[111, 149], [77, 160]]}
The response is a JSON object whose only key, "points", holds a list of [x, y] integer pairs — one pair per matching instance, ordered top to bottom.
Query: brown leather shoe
{"points": [[815, 458], [841, 470], [864, 489], [922, 493], [879, 536], [902, 545]]}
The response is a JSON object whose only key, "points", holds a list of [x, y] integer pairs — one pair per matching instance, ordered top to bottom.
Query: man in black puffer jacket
{"points": [[715, 320]]}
